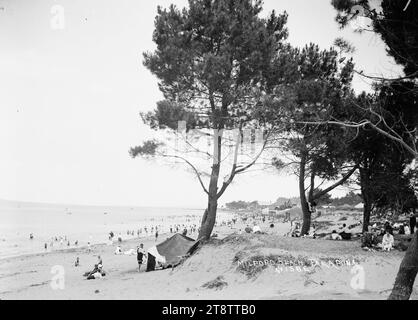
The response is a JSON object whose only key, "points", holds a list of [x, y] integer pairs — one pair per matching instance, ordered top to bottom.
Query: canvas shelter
{"points": [[359, 205], [170, 252]]}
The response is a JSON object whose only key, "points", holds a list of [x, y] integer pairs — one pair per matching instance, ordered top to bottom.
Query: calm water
{"points": [[82, 223]]}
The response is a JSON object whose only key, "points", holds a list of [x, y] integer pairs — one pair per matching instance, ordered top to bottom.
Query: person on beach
{"points": [[412, 222], [256, 228], [407, 229], [295, 230], [311, 233], [345, 233], [156, 235], [335, 235], [31, 236], [387, 241], [46, 246], [118, 250], [140, 254], [77, 262], [96, 273]]}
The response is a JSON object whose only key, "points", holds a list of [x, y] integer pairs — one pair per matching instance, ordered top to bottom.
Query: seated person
{"points": [[248, 229], [256, 229], [407, 229], [295, 230], [312, 232], [345, 233], [335, 235], [388, 241], [118, 250], [96, 273]]}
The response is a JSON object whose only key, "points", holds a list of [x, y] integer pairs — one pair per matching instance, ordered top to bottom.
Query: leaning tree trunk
{"points": [[304, 204], [209, 217], [208, 221], [405, 278]]}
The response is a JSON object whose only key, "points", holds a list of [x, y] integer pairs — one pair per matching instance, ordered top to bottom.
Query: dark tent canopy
{"points": [[172, 249]]}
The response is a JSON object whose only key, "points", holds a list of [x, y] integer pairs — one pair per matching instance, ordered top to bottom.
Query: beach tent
{"points": [[359, 205], [170, 251]]}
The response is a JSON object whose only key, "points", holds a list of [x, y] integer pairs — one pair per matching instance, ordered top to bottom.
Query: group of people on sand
{"points": [[184, 229], [254, 229], [344, 233], [386, 233], [97, 272]]}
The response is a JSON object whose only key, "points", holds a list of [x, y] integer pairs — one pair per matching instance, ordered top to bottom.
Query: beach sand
{"points": [[215, 271]]}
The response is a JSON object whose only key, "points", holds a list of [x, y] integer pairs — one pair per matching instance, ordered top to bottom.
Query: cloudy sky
{"points": [[72, 85]]}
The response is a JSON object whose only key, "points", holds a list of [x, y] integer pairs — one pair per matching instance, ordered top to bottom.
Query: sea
{"points": [[61, 226]]}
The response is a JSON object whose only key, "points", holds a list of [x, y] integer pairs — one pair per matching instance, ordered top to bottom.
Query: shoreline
{"points": [[83, 247]]}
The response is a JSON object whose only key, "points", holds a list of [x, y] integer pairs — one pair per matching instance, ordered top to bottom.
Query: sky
{"points": [[72, 85]]}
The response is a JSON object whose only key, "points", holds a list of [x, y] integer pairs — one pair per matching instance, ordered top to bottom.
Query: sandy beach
{"points": [[229, 266]]}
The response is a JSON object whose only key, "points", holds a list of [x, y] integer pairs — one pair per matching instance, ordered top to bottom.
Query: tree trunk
{"points": [[304, 204], [367, 204], [367, 209], [209, 218], [208, 221], [408, 269]]}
